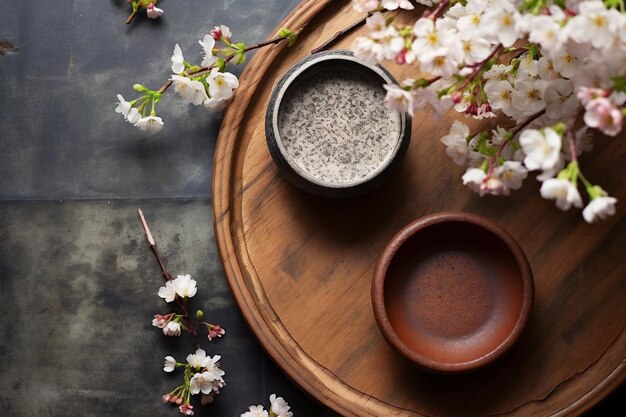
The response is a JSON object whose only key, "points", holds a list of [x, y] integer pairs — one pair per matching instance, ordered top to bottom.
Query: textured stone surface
{"points": [[78, 288]]}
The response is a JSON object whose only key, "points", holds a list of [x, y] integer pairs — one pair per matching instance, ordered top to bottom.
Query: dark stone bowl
{"points": [[339, 60], [452, 292]]}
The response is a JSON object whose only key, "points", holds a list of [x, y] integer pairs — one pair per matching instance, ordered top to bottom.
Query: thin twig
{"points": [[435, 13], [339, 34], [526, 122], [571, 136], [153, 246]]}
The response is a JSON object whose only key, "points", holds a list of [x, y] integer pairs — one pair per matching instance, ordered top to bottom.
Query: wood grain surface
{"points": [[300, 267]]}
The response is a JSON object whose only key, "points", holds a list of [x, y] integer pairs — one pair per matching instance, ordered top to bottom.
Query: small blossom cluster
{"points": [[152, 12], [541, 63], [207, 84], [202, 373], [203, 376], [278, 408]]}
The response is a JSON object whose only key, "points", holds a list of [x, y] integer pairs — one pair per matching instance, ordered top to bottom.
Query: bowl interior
{"points": [[332, 125], [453, 295]]}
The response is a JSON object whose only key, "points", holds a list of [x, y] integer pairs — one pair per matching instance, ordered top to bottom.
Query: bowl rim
{"points": [[285, 83], [378, 296]]}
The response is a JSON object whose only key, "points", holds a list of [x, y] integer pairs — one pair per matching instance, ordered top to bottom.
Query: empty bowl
{"points": [[328, 128], [452, 292]]}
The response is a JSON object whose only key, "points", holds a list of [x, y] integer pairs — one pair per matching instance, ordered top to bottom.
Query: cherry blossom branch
{"points": [[435, 13], [341, 33], [478, 67], [202, 70], [526, 122], [570, 135], [153, 245], [193, 330]]}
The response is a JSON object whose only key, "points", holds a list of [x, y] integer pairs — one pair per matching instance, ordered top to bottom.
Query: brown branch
{"points": [[435, 13], [341, 33], [478, 67], [526, 122], [571, 135], [153, 246]]}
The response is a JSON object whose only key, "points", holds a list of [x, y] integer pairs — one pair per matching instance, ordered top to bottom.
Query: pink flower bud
{"points": [[216, 33], [401, 58], [457, 97]]}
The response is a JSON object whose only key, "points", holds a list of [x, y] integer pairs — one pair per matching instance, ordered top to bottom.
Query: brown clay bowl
{"points": [[452, 292]]}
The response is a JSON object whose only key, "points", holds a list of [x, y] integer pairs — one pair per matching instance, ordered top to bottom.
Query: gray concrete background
{"points": [[77, 282]]}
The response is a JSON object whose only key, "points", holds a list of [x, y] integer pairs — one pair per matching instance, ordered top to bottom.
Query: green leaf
{"points": [[290, 35], [240, 58], [619, 83]]}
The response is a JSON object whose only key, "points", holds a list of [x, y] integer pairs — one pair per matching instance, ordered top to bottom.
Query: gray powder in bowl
{"points": [[335, 126]]}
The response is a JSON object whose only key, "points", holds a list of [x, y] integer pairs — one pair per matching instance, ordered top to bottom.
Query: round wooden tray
{"points": [[300, 267]]}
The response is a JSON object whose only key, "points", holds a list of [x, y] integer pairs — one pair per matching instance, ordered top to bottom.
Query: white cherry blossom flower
{"points": [[395, 4], [365, 5], [153, 12], [499, 22], [591, 24], [377, 25], [544, 30], [221, 31], [431, 39], [208, 43], [474, 49], [368, 51], [440, 64], [566, 64], [178, 65], [527, 67], [545, 69], [499, 72], [221, 84], [191, 91], [500, 94], [527, 97], [399, 99], [560, 102], [215, 105], [123, 107], [602, 114], [133, 116], [149, 124], [456, 142], [542, 148], [512, 174], [474, 178], [492, 185], [563, 191], [599, 208], [185, 286], [168, 292], [172, 329], [197, 360], [170, 364], [212, 368], [201, 382], [279, 406], [255, 411]]}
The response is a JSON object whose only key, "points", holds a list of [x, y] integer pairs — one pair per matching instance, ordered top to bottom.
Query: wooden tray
{"points": [[300, 266]]}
